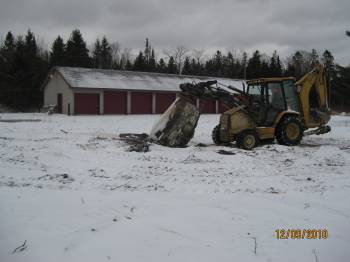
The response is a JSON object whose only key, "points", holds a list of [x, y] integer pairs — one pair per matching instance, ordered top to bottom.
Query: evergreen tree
{"points": [[30, 44], [9, 46], [76, 51], [147, 52], [57, 54], [96, 54], [106, 54], [314, 58], [328, 62], [140, 63], [218, 63], [152, 64], [244, 64], [273, 64], [298, 64], [128, 65], [229, 65], [254, 66], [329, 66], [161, 67], [196, 67], [171, 68], [210, 68], [275, 68], [279, 68], [7, 69], [186, 69], [265, 70], [290, 70], [34, 71], [22, 72], [340, 89]]}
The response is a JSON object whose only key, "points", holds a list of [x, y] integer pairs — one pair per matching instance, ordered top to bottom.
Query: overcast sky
{"points": [[284, 25]]}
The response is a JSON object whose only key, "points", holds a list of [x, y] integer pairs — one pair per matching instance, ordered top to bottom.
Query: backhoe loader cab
{"points": [[269, 97], [278, 108]]}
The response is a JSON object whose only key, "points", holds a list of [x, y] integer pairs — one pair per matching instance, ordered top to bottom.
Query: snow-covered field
{"points": [[70, 188]]}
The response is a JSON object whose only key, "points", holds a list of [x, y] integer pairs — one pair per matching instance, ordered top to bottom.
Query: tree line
{"points": [[24, 64]]}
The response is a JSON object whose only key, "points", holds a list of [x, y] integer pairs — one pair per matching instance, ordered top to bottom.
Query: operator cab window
{"points": [[254, 90], [275, 95], [256, 96], [291, 96], [275, 100], [257, 102]]}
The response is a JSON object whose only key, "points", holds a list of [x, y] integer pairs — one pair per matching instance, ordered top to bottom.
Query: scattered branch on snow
{"points": [[19, 120], [137, 142], [201, 145], [225, 152], [192, 158], [125, 184], [272, 190], [255, 245], [20, 248], [316, 257]]}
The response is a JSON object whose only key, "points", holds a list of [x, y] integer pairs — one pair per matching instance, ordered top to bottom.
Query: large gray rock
{"points": [[176, 126]]}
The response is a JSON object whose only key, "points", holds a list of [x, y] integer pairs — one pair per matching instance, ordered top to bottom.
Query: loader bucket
{"points": [[176, 126]]}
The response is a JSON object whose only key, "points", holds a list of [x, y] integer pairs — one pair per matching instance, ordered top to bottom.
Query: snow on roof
{"points": [[130, 80]]}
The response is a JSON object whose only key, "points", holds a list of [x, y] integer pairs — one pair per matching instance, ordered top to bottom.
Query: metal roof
{"points": [[269, 79], [129, 80]]}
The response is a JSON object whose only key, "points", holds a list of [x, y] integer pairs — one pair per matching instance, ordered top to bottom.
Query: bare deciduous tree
{"points": [[1, 41], [42, 47], [115, 52], [178, 54], [198, 54], [125, 57]]}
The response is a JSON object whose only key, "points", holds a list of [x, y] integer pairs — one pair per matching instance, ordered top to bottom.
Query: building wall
{"points": [[57, 85]]}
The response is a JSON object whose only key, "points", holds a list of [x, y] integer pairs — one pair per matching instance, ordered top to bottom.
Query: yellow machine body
{"points": [[311, 114]]}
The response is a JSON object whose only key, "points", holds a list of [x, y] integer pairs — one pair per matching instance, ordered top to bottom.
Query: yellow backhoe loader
{"points": [[268, 108]]}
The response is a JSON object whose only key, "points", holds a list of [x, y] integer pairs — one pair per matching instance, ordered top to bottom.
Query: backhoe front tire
{"points": [[289, 131], [216, 135], [247, 140]]}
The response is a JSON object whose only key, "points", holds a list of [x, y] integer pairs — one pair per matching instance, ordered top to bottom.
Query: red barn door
{"points": [[163, 101], [115, 102], [86, 103], [141, 103], [207, 106]]}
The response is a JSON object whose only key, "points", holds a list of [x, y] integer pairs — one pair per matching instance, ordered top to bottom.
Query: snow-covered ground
{"points": [[71, 189]]}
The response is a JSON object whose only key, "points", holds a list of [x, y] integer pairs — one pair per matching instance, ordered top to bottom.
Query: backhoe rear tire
{"points": [[289, 131], [216, 135], [247, 139]]}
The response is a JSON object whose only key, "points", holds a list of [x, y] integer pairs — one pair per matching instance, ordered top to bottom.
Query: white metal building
{"points": [[97, 91]]}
